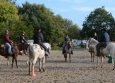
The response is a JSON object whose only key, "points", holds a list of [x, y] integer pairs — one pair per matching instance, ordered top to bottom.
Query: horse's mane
{"points": [[94, 40]]}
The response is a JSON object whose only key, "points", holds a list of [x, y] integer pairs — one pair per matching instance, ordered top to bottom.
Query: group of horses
{"points": [[33, 51], [36, 52]]}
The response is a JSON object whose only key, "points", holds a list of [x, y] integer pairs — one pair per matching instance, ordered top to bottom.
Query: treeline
{"points": [[30, 16]]}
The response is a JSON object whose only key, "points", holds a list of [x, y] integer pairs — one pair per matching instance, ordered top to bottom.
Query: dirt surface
{"points": [[80, 70]]}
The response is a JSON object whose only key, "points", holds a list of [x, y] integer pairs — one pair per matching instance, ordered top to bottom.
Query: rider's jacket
{"points": [[38, 37], [105, 37], [6, 39]]}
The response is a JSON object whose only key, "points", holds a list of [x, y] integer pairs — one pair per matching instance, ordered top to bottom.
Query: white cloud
{"points": [[83, 8], [110, 9], [62, 10]]}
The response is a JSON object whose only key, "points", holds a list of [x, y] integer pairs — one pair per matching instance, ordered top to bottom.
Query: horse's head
{"points": [[92, 41], [69, 44], [87, 44]]}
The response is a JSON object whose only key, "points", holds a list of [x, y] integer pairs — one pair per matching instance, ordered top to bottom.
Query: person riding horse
{"points": [[95, 36], [22, 38], [38, 39], [66, 39], [103, 41], [7, 42]]}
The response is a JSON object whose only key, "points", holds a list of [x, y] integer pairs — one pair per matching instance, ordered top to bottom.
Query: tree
{"points": [[8, 11], [39, 16], [97, 20], [72, 29]]}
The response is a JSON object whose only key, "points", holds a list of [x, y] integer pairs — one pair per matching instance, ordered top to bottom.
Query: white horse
{"points": [[109, 49], [91, 50], [35, 52]]}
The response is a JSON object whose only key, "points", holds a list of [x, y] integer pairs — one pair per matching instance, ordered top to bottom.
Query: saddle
{"points": [[99, 47]]}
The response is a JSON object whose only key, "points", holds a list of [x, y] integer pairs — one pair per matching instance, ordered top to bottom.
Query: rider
{"points": [[95, 36], [105, 36], [22, 38], [66, 38], [38, 39], [103, 41], [7, 42]]}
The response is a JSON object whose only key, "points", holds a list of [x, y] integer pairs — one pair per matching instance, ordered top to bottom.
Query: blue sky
{"points": [[75, 10]]}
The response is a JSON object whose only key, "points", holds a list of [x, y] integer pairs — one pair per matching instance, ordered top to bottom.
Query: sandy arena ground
{"points": [[80, 70]]}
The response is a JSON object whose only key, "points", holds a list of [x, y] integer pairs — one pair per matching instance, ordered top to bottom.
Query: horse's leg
{"points": [[25, 52], [65, 56], [91, 56], [70, 57], [8, 60], [16, 60], [13, 61], [97, 61], [101, 61], [33, 64], [43, 64], [40, 65], [29, 66]]}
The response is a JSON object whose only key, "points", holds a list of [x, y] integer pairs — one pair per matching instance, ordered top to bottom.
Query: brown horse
{"points": [[23, 47], [16, 48], [68, 50], [91, 50], [4, 52]]}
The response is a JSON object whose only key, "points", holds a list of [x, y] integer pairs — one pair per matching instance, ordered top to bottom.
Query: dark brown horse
{"points": [[23, 47], [16, 48]]}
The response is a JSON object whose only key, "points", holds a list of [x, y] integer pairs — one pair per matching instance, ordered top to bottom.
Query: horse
{"points": [[23, 48], [16, 49], [109, 49], [68, 50], [91, 50], [4, 52], [35, 52]]}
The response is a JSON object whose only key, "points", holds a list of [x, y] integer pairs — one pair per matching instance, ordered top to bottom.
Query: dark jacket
{"points": [[38, 37], [96, 37], [105, 37], [6, 39], [22, 39], [66, 39]]}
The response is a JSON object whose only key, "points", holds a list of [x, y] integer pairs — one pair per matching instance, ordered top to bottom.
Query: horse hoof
{"points": [[39, 70], [43, 70]]}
